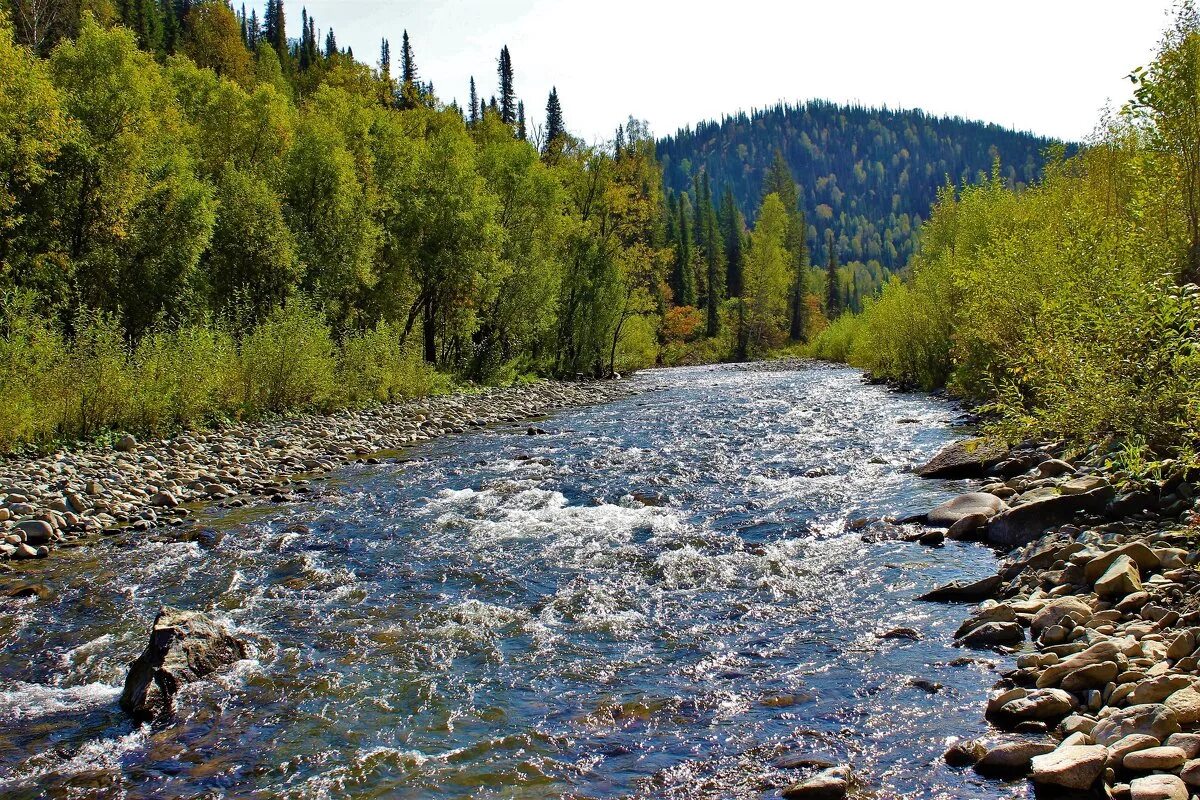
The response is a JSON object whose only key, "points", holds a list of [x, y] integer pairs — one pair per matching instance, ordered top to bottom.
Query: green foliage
{"points": [[1057, 306], [288, 362], [377, 366]]}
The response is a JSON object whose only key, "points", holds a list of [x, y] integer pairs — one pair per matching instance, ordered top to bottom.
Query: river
{"points": [[659, 598]]}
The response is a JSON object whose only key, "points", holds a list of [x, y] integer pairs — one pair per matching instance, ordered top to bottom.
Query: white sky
{"points": [[1048, 66]]}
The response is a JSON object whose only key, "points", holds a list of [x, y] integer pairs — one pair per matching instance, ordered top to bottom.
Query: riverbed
{"points": [[668, 595]]}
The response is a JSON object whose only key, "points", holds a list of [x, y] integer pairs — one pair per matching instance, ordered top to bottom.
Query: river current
{"points": [[665, 596]]}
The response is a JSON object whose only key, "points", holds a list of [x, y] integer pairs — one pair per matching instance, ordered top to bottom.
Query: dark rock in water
{"points": [[970, 458], [965, 505], [1021, 524], [932, 538], [965, 591], [901, 633], [993, 634], [184, 646], [932, 687], [964, 753], [798, 759], [832, 784]]}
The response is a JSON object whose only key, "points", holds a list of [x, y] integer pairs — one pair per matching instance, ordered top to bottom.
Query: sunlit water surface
{"points": [[658, 599]]}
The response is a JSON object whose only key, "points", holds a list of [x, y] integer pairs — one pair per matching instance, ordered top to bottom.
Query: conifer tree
{"points": [[253, 31], [170, 39], [330, 44], [385, 59], [408, 63], [508, 98], [473, 119], [555, 130], [521, 132], [733, 228], [714, 257], [684, 277], [833, 300]]}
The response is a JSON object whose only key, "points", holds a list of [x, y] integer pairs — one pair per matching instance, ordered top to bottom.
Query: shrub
{"points": [[287, 362], [376, 367]]}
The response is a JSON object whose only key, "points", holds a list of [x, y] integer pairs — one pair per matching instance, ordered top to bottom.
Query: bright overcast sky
{"points": [[1047, 66]]}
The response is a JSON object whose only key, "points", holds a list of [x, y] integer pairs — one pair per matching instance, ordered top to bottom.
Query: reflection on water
{"points": [[658, 599]]}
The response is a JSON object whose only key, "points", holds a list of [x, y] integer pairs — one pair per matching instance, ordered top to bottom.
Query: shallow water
{"points": [[656, 599]]}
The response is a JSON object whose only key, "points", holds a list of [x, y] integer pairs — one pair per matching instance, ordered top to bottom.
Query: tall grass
{"points": [[58, 386]]}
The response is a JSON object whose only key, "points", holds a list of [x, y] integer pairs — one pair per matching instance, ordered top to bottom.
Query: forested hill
{"points": [[870, 175]]}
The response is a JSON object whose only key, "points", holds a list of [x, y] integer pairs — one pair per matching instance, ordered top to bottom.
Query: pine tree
{"points": [[244, 22], [275, 29], [253, 31], [170, 38], [330, 44], [385, 59], [408, 63], [508, 99], [474, 110], [555, 130], [521, 132], [733, 228], [714, 257], [684, 278], [833, 301]]}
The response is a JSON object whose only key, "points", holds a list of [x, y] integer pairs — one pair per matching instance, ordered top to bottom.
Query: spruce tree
{"points": [[330, 44], [385, 59], [408, 63], [508, 98], [474, 110], [555, 130], [521, 132], [733, 228], [714, 257], [684, 278], [833, 300]]}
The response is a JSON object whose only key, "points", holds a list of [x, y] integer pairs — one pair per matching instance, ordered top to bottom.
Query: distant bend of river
{"points": [[657, 599]]}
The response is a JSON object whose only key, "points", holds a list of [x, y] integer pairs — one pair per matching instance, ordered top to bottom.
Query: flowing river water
{"points": [[660, 598]]}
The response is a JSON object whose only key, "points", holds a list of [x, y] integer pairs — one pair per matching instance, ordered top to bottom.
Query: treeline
{"points": [[868, 176], [185, 189], [1069, 307]]}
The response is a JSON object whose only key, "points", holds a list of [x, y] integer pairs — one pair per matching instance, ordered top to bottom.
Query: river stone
{"points": [[126, 444], [971, 458], [1053, 467], [1083, 485], [965, 505], [1023, 523], [967, 526], [36, 531], [1142, 555], [1120, 579], [965, 591], [1056, 611], [993, 634], [184, 646], [1099, 654], [1094, 676], [1159, 688], [1044, 705], [1186, 705], [1151, 719], [1187, 742], [1129, 744], [964, 753], [1012, 756], [1164, 757], [1069, 767], [1190, 774], [831, 784], [1158, 787]]}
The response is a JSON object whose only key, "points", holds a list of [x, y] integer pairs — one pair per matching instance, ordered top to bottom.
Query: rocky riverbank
{"points": [[65, 499], [1099, 597]]}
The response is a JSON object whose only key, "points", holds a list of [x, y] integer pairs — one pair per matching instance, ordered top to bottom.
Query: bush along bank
{"points": [[63, 500], [1099, 597]]}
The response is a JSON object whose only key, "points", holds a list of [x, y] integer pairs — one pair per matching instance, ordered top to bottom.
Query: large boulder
{"points": [[971, 458], [965, 505], [1023, 523], [1142, 555], [1120, 579], [965, 591], [993, 634], [184, 646], [1104, 654], [1151, 719], [1012, 756], [1070, 767], [1158, 787]]}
